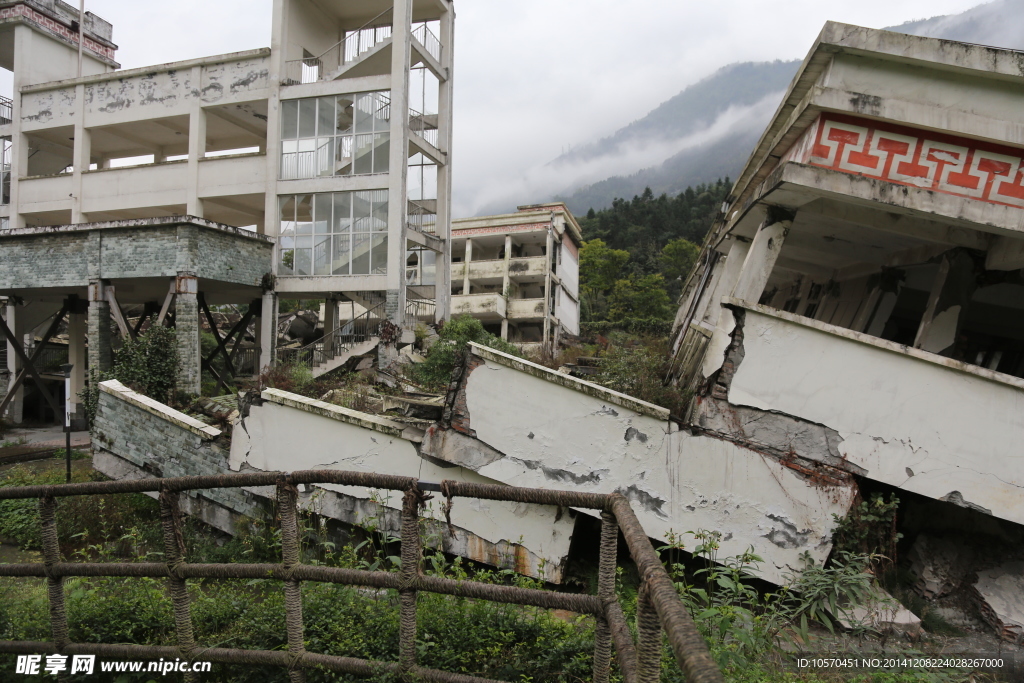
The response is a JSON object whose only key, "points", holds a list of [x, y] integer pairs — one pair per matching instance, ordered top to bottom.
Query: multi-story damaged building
{"points": [[314, 169], [519, 273], [858, 303]]}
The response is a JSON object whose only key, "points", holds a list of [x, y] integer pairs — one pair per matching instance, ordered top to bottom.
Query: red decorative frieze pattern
{"points": [[55, 27], [907, 156]]}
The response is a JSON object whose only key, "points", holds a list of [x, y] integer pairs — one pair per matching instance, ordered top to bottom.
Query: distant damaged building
{"points": [[860, 303]]}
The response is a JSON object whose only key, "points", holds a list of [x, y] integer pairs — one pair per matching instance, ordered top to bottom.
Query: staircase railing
{"points": [[430, 42], [349, 49], [425, 125], [420, 310], [336, 342]]}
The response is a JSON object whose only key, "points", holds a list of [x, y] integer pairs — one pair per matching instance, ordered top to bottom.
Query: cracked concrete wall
{"points": [[141, 94], [926, 424], [563, 433], [530, 539]]}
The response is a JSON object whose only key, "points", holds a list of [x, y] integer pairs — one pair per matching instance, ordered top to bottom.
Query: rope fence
{"points": [[660, 612]]}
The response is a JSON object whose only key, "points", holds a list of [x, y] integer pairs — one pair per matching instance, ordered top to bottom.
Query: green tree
{"points": [[677, 258], [600, 268], [640, 297], [149, 364], [436, 371]]}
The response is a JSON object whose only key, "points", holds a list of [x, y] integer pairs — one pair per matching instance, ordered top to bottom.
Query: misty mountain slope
{"points": [[1000, 24], [694, 109]]}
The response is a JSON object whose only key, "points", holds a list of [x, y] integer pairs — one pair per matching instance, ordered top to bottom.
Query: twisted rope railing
{"points": [[659, 609]]}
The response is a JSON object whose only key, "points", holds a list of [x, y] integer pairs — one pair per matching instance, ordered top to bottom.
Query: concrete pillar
{"points": [[196, 151], [81, 158], [398, 161], [444, 175], [468, 258], [760, 261], [505, 283], [951, 294], [710, 305], [548, 309], [186, 324], [330, 325], [266, 331], [100, 350], [77, 358], [15, 410]]}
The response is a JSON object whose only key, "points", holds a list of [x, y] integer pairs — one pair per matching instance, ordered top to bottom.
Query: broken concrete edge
{"points": [[147, 70], [123, 224], [884, 344], [555, 377], [120, 391], [336, 412]]}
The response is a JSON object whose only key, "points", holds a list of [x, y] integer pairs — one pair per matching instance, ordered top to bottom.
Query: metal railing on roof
{"points": [[6, 110], [659, 607]]}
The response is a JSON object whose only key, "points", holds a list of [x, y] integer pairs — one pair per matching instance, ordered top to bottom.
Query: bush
{"points": [[436, 371], [639, 371]]}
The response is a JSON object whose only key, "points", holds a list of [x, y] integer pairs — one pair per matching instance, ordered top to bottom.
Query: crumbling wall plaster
{"points": [[926, 424], [563, 433]]}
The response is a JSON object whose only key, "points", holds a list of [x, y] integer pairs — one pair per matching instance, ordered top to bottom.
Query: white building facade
{"points": [[518, 273]]}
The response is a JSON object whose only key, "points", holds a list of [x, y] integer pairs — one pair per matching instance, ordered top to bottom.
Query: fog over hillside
{"points": [[707, 131]]}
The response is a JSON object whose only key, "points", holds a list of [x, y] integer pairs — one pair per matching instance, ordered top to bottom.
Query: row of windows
{"points": [[334, 233]]}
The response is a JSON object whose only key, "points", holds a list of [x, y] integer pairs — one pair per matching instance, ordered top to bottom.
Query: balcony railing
{"points": [[6, 110]]}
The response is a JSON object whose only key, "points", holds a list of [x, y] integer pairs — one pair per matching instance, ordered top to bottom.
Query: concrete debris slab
{"points": [[940, 565], [1000, 594], [882, 613]]}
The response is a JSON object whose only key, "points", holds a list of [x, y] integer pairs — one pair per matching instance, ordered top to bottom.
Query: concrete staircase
{"points": [[355, 337]]}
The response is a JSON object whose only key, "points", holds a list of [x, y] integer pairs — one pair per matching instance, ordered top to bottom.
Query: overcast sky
{"points": [[533, 77]]}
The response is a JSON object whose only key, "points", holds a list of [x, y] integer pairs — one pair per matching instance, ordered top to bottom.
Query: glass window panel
{"points": [[365, 105], [381, 112], [345, 114], [325, 116], [307, 118], [289, 119], [289, 146], [381, 152], [363, 155], [325, 156], [343, 156], [415, 181], [322, 206], [288, 208], [380, 210], [342, 212], [304, 214], [286, 241], [304, 241], [342, 252], [360, 254], [380, 254], [322, 255], [287, 262], [303, 262], [428, 268]]}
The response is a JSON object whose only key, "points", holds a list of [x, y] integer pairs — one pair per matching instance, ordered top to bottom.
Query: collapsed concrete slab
{"points": [[791, 384], [562, 432], [138, 437], [530, 539], [1000, 593]]}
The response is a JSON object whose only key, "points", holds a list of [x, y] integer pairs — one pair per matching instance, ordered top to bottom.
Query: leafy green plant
{"points": [[638, 370], [436, 371], [870, 529]]}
